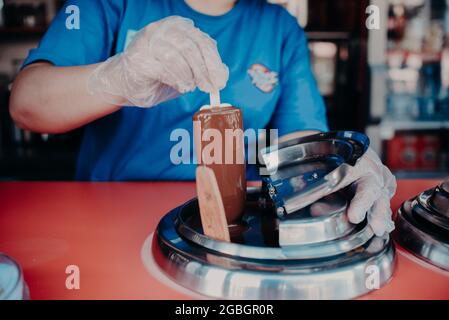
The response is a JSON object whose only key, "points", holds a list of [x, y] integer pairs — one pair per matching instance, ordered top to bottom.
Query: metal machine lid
{"points": [[347, 145], [303, 170], [422, 207], [257, 235], [421, 237], [220, 275]]}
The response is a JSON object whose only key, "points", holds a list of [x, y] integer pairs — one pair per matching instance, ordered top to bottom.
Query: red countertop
{"points": [[101, 227]]}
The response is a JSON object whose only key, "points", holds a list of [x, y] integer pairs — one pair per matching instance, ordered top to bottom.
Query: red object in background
{"points": [[402, 152], [413, 152], [429, 152], [101, 227]]}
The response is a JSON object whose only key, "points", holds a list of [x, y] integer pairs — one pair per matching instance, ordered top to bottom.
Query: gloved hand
{"points": [[165, 59], [373, 185]]}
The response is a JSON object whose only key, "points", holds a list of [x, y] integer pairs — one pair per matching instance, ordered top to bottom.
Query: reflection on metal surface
{"points": [[303, 170], [324, 220], [423, 225], [254, 266]]}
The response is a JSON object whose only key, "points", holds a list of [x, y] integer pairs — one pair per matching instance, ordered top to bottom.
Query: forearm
{"points": [[53, 99]]}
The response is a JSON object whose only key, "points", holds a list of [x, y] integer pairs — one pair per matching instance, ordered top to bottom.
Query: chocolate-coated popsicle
{"points": [[227, 159]]}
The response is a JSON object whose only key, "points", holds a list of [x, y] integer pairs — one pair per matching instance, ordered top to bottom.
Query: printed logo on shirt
{"points": [[129, 37], [263, 78]]}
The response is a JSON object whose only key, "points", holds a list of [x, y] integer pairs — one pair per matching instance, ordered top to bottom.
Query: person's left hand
{"points": [[374, 185]]}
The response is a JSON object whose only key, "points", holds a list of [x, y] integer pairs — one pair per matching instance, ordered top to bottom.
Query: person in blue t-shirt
{"points": [[134, 71]]}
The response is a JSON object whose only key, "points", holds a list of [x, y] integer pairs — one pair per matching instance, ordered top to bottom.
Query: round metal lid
{"points": [[346, 145], [303, 170], [257, 237], [422, 238], [220, 275]]}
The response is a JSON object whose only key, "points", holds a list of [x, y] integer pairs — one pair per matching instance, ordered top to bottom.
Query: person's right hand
{"points": [[166, 58]]}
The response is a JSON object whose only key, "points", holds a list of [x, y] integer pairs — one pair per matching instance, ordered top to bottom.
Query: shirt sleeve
{"points": [[91, 43], [300, 106]]}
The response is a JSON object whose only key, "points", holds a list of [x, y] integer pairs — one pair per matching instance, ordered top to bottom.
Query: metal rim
{"points": [[358, 141], [344, 151], [359, 236], [419, 238], [220, 276]]}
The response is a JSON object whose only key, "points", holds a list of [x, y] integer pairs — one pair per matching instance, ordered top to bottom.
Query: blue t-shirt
{"points": [[270, 80]]}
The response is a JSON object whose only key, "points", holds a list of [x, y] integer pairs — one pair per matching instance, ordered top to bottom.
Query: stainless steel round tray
{"points": [[257, 235], [422, 238], [254, 266], [219, 275]]}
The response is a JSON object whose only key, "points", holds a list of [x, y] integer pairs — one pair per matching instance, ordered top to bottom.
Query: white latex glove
{"points": [[165, 59], [374, 186]]}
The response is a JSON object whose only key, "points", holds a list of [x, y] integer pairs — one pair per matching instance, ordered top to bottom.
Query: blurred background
{"points": [[391, 82]]}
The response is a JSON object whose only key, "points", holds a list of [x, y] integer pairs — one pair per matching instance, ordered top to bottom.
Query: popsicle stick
{"points": [[215, 98], [213, 216]]}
